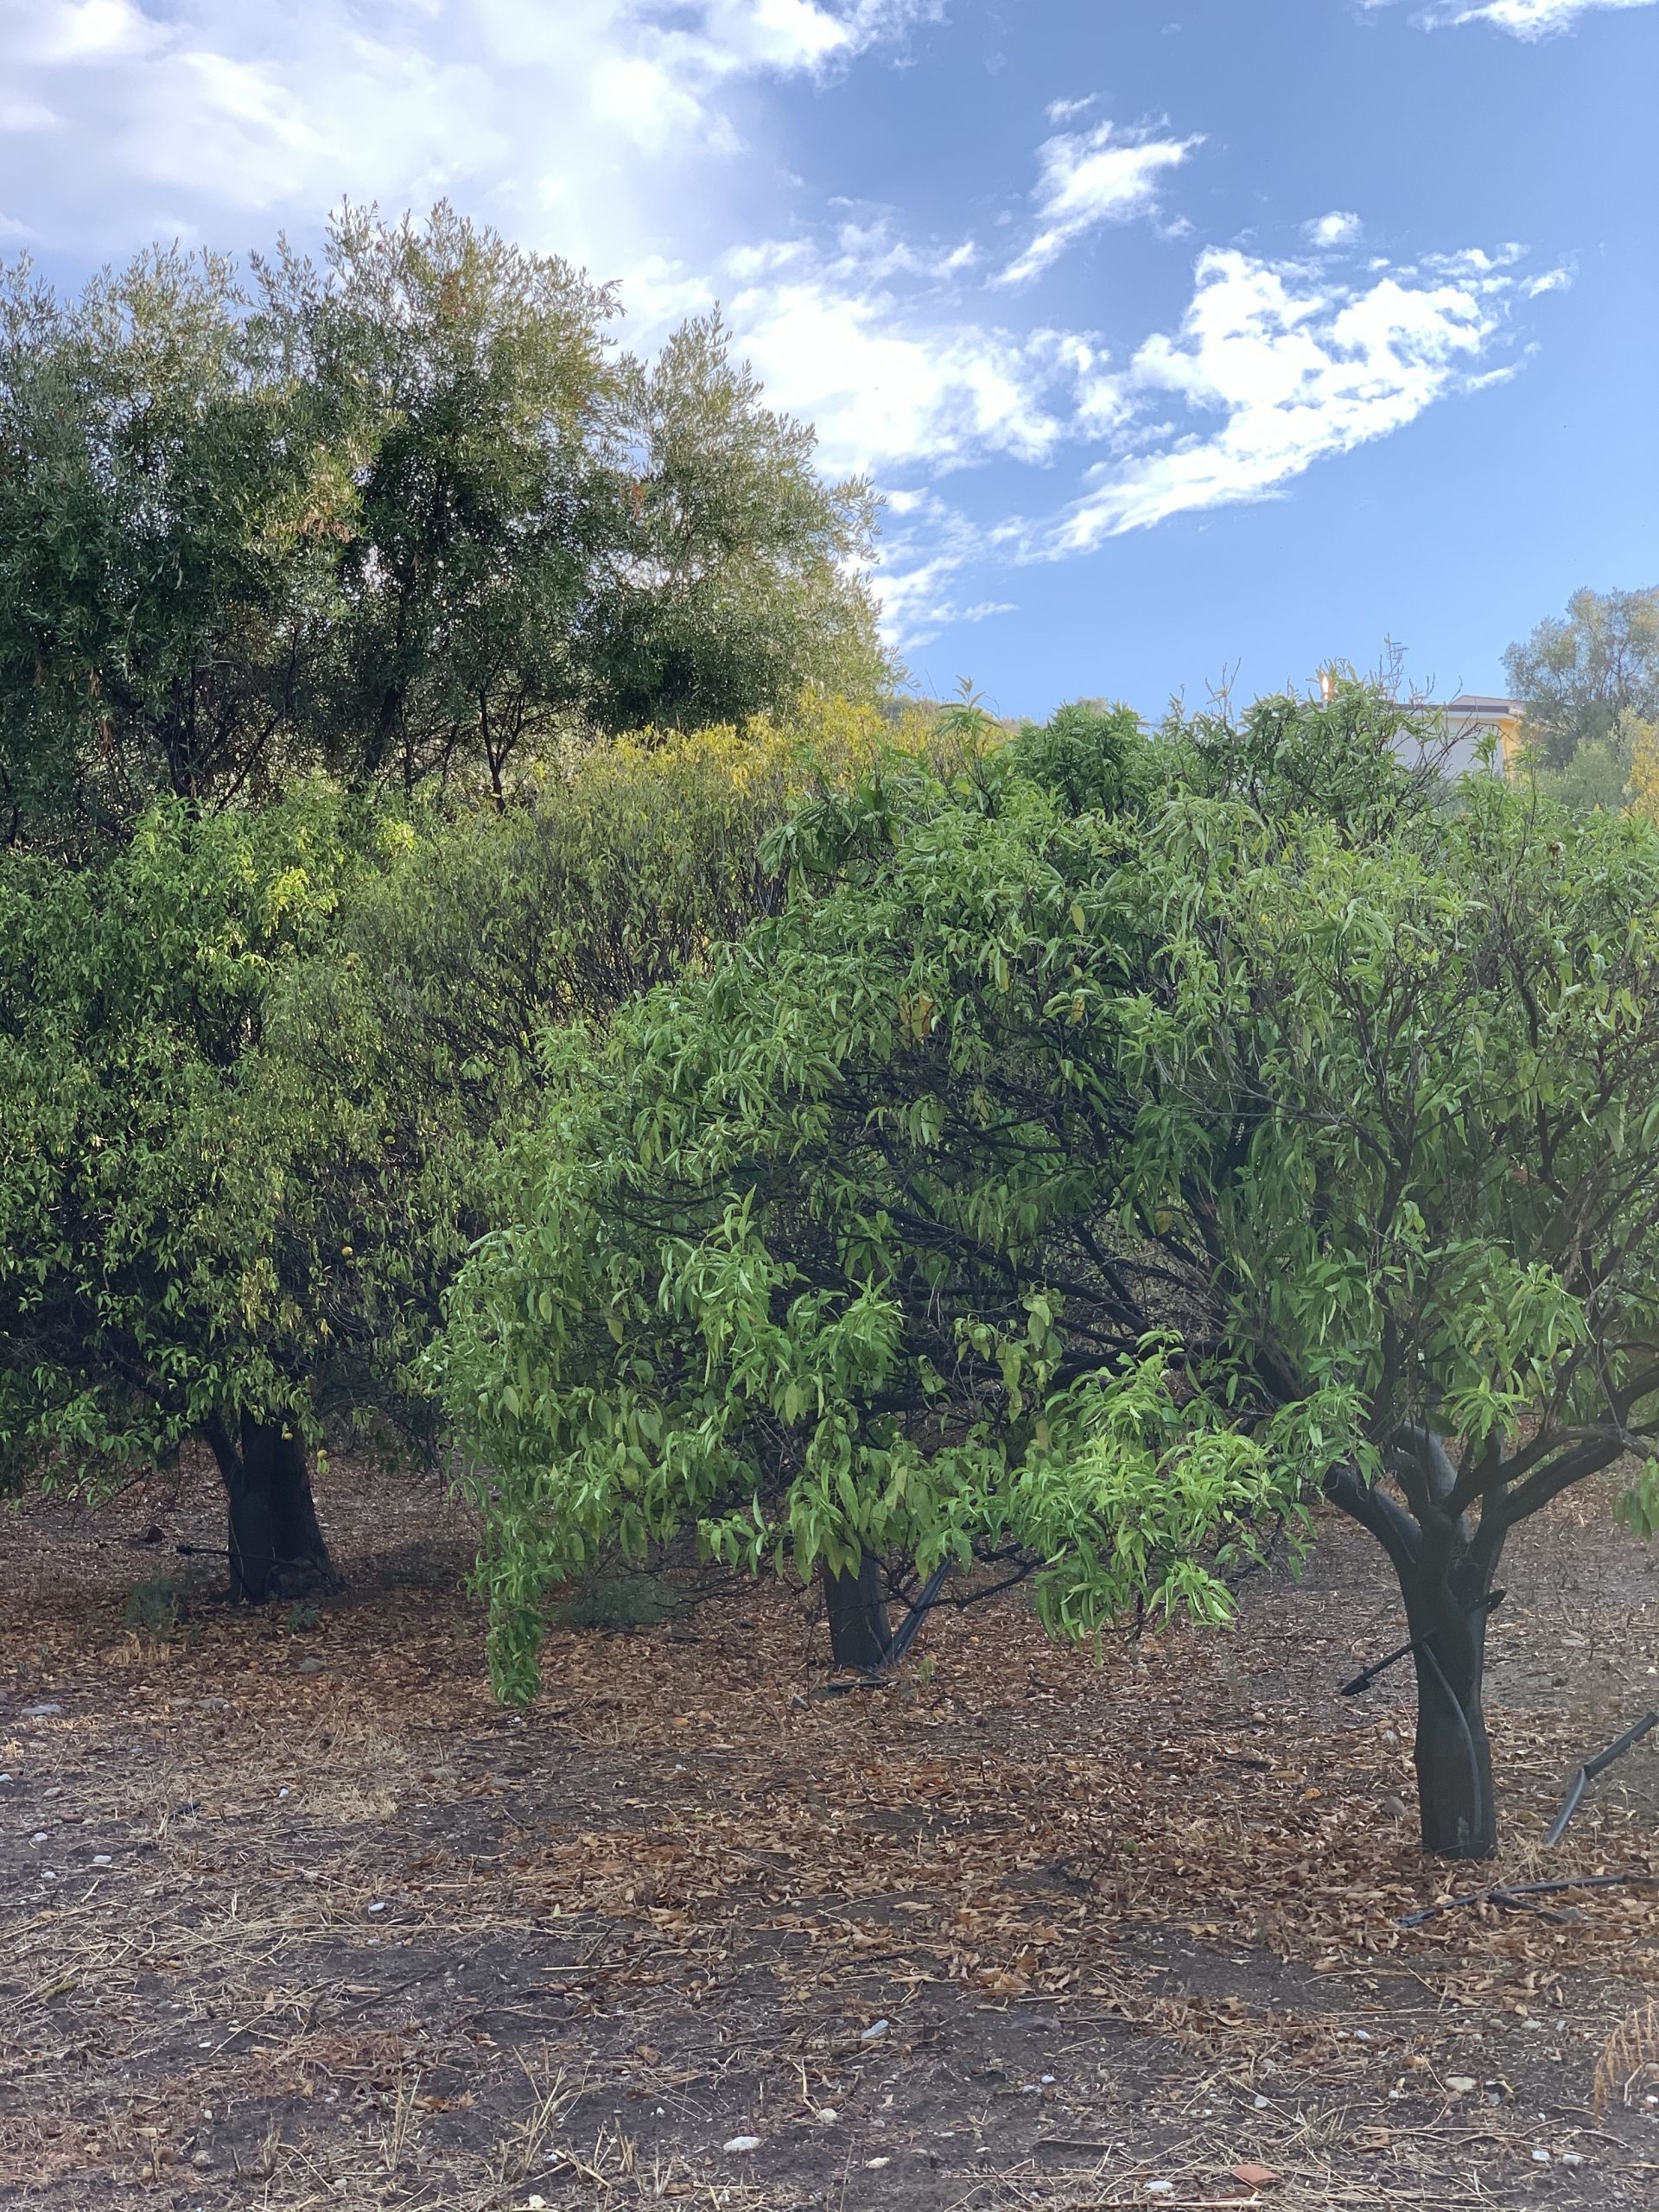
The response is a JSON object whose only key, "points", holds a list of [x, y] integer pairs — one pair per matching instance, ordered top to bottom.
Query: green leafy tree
{"points": [[467, 393], [405, 514], [165, 547], [734, 581], [1584, 679], [409, 1047], [253, 1067], [1406, 1087], [1088, 1190], [808, 1259], [151, 1289]]}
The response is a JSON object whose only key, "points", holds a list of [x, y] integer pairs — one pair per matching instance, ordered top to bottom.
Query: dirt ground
{"points": [[294, 1916]]}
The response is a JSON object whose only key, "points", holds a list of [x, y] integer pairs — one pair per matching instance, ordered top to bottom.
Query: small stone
{"points": [[310, 1666], [42, 1712], [38, 1836], [103, 1859], [380, 1905], [876, 2030], [1361, 2034], [1459, 2084], [1261, 2104], [827, 2115], [741, 2143], [1541, 2157], [1572, 2158], [874, 2165], [1159, 2188], [535, 2204]]}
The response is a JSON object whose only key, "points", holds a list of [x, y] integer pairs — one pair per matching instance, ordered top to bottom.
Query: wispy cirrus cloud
{"points": [[1525, 19], [1106, 174]]}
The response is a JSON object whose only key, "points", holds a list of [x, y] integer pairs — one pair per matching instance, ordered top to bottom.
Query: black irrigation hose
{"points": [[905, 1635], [1364, 1682], [1588, 1773], [1516, 1894]]}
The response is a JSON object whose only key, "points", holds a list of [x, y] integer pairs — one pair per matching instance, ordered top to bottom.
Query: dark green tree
{"points": [[470, 401], [404, 514], [166, 547], [734, 581], [1583, 678], [151, 1291]]}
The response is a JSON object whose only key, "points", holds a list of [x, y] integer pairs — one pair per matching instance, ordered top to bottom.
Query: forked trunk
{"points": [[275, 1540], [1444, 1568], [859, 1634]]}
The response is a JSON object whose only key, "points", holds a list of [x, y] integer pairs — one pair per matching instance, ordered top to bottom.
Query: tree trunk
{"points": [[275, 1541], [1445, 1566], [859, 1635], [1456, 1807]]}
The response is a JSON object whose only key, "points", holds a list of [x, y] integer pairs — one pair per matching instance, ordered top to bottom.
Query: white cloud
{"points": [[1526, 19], [1531, 19], [579, 124], [612, 131], [1089, 177], [1339, 228], [870, 339], [1273, 367], [1296, 369], [927, 545]]}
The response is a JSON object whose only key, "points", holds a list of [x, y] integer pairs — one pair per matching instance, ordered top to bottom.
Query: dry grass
{"points": [[1627, 2058]]}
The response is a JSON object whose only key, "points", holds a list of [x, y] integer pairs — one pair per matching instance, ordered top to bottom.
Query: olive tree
{"points": [[405, 513], [166, 547], [1585, 678]]}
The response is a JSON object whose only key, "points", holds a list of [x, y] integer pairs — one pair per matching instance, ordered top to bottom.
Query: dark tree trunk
{"points": [[275, 1541], [1445, 1566], [859, 1634], [1457, 1812]]}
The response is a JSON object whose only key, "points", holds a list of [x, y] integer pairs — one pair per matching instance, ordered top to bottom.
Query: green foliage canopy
{"points": [[407, 515], [1583, 678], [253, 1067], [1099, 1184], [807, 1256], [146, 1290]]}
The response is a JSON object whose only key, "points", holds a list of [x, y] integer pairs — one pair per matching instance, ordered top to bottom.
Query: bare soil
{"points": [[294, 1916]]}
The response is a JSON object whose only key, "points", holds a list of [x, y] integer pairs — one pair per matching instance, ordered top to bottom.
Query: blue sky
{"points": [[1189, 338]]}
